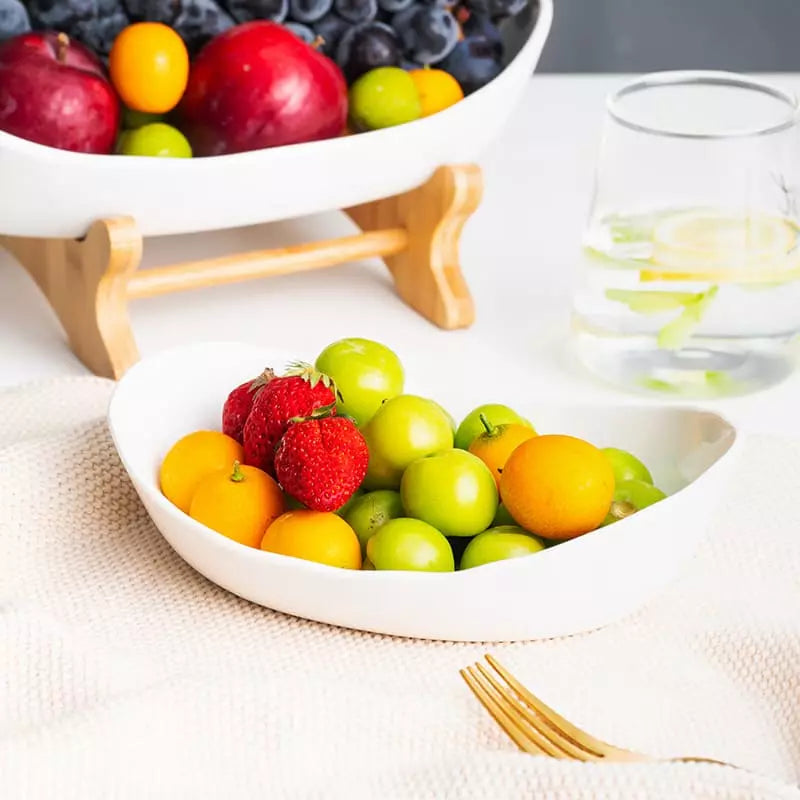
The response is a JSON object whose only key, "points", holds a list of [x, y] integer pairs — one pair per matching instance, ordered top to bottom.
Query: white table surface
{"points": [[518, 253]]}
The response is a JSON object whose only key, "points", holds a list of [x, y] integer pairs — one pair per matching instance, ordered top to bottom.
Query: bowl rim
{"points": [[534, 41], [213, 539]]}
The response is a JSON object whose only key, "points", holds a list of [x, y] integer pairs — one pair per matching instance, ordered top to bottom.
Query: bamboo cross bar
{"points": [[263, 263], [89, 281]]}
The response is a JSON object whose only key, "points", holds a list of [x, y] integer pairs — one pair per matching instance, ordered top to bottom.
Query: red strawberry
{"points": [[300, 392], [240, 401], [321, 461]]}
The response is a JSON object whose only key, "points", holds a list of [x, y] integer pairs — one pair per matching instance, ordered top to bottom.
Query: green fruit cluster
{"points": [[424, 494]]}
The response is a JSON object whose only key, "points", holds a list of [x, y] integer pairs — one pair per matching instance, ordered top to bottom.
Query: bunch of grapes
{"points": [[96, 23], [460, 36]]}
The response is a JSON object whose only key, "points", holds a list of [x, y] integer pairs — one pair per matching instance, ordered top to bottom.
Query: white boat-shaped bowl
{"points": [[55, 193], [576, 586]]}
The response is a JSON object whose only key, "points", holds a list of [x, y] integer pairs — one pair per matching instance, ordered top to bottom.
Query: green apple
{"points": [[366, 373], [496, 414], [403, 429], [626, 466], [452, 490], [630, 497], [372, 510], [410, 544], [498, 544]]}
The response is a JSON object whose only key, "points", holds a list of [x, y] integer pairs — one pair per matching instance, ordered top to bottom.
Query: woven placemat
{"points": [[125, 674]]}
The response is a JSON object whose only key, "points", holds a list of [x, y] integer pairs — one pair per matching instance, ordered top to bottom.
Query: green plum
{"points": [[383, 97], [132, 119], [155, 139], [365, 372], [496, 414], [403, 429], [626, 466], [453, 490], [632, 496], [292, 504], [342, 510], [372, 510], [503, 517], [410, 544], [498, 544]]}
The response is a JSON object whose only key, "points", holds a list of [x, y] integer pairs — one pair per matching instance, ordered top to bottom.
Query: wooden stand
{"points": [[89, 281]]}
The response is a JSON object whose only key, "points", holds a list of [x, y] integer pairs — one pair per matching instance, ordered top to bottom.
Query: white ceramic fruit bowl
{"points": [[54, 193], [576, 586]]}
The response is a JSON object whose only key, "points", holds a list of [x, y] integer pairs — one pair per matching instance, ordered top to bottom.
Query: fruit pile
{"points": [[201, 77], [334, 463]]}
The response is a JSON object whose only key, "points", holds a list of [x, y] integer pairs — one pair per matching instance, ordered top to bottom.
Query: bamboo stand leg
{"points": [[427, 274], [85, 282], [88, 282]]}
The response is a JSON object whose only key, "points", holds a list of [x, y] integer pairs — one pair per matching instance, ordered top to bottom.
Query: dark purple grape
{"points": [[393, 6], [478, 6], [506, 8], [152, 10], [246, 10], [309, 10], [356, 11], [60, 15], [13, 19], [402, 19], [199, 21], [330, 29], [481, 29], [301, 31], [99, 32], [430, 34], [365, 47], [473, 63]]}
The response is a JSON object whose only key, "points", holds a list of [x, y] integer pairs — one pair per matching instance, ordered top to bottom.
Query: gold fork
{"points": [[535, 727]]}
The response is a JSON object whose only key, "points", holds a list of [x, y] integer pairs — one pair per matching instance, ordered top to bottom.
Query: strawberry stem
{"points": [[300, 369], [262, 380], [317, 413], [237, 476]]}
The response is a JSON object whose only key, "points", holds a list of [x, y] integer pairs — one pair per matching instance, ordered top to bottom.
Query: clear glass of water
{"points": [[690, 272]]}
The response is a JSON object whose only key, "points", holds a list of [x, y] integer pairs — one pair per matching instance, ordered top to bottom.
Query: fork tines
{"points": [[534, 726]]}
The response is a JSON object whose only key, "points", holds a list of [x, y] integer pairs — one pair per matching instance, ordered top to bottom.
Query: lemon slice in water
{"points": [[714, 246]]}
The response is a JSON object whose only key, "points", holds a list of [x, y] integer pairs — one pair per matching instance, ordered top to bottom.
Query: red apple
{"points": [[258, 85], [54, 91]]}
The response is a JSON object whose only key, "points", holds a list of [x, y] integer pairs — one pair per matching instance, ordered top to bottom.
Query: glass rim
{"points": [[654, 80]]}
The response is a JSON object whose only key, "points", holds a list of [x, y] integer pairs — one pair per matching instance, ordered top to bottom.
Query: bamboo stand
{"points": [[89, 281]]}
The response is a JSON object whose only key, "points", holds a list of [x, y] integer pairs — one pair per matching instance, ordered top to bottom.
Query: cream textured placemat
{"points": [[125, 674]]}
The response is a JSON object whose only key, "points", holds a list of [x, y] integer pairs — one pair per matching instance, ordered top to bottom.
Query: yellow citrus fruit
{"points": [[149, 67], [436, 88], [496, 444], [193, 457], [557, 486], [239, 502], [315, 536]]}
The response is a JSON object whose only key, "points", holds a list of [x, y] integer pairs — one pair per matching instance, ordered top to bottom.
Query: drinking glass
{"points": [[690, 275]]}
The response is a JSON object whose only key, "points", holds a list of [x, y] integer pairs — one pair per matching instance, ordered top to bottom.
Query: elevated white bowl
{"points": [[49, 192], [576, 586]]}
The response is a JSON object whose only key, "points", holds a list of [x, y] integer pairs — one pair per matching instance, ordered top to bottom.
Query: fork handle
{"points": [[702, 760]]}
